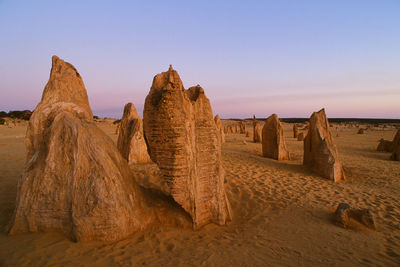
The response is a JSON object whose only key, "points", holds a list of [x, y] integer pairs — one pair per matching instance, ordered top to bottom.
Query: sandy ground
{"points": [[282, 213]]}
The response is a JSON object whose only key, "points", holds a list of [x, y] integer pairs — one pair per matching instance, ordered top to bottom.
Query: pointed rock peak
{"points": [[168, 80], [65, 85], [194, 92], [130, 111]]}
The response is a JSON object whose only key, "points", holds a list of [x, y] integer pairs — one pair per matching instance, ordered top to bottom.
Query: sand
{"points": [[283, 213]]}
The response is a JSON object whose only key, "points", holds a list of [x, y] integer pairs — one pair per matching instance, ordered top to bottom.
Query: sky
{"points": [[251, 57]]}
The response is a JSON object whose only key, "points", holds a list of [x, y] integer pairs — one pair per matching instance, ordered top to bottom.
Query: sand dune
{"points": [[283, 213]]}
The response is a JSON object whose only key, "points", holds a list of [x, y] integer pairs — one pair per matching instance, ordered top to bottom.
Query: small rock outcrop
{"points": [[220, 129], [360, 131], [131, 141], [184, 142], [273, 142], [320, 152], [75, 181], [344, 213]]}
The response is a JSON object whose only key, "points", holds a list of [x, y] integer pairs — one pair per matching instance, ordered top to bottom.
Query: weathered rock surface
{"points": [[220, 129], [296, 131], [360, 131], [131, 141], [273, 142], [184, 143], [385, 145], [320, 152], [75, 180], [344, 213]]}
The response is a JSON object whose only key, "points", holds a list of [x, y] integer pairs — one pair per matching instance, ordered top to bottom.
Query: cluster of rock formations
{"points": [[184, 142], [273, 142], [320, 152], [77, 182]]}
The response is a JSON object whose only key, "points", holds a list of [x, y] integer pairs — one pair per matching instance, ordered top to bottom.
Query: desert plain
{"points": [[283, 214]]}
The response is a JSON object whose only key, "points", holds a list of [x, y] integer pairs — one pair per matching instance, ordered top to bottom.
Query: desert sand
{"points": [[283, 214]]}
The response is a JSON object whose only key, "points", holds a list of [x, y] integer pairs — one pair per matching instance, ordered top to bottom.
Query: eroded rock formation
{"points": [[220, 129], [257, 135], [131, 141], [183, 141], [273, 142], [320, 152], [75, 180], [344, 214]]}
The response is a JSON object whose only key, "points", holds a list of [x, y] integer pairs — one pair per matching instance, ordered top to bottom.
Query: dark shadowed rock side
{"points": [[220, 129], [296, 131], [131, 141], [183, 141], [273, 142], [385, 145], [396, 147], [320, 152], [75, 180]]}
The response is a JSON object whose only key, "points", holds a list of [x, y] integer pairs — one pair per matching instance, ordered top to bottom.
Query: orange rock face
{"points": [[220, 129], [131, 141], [184, 142], [273, 142], [320, 152], [75, 180]]}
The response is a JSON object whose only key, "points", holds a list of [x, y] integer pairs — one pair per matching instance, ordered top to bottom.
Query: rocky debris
{"points": [[220, 130], [296, 131], [360, 131], [300, 137], [131, 141], [184, 142], [273, 142], [385, 145], [320, 152], [75, 181], [344, 213]]}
